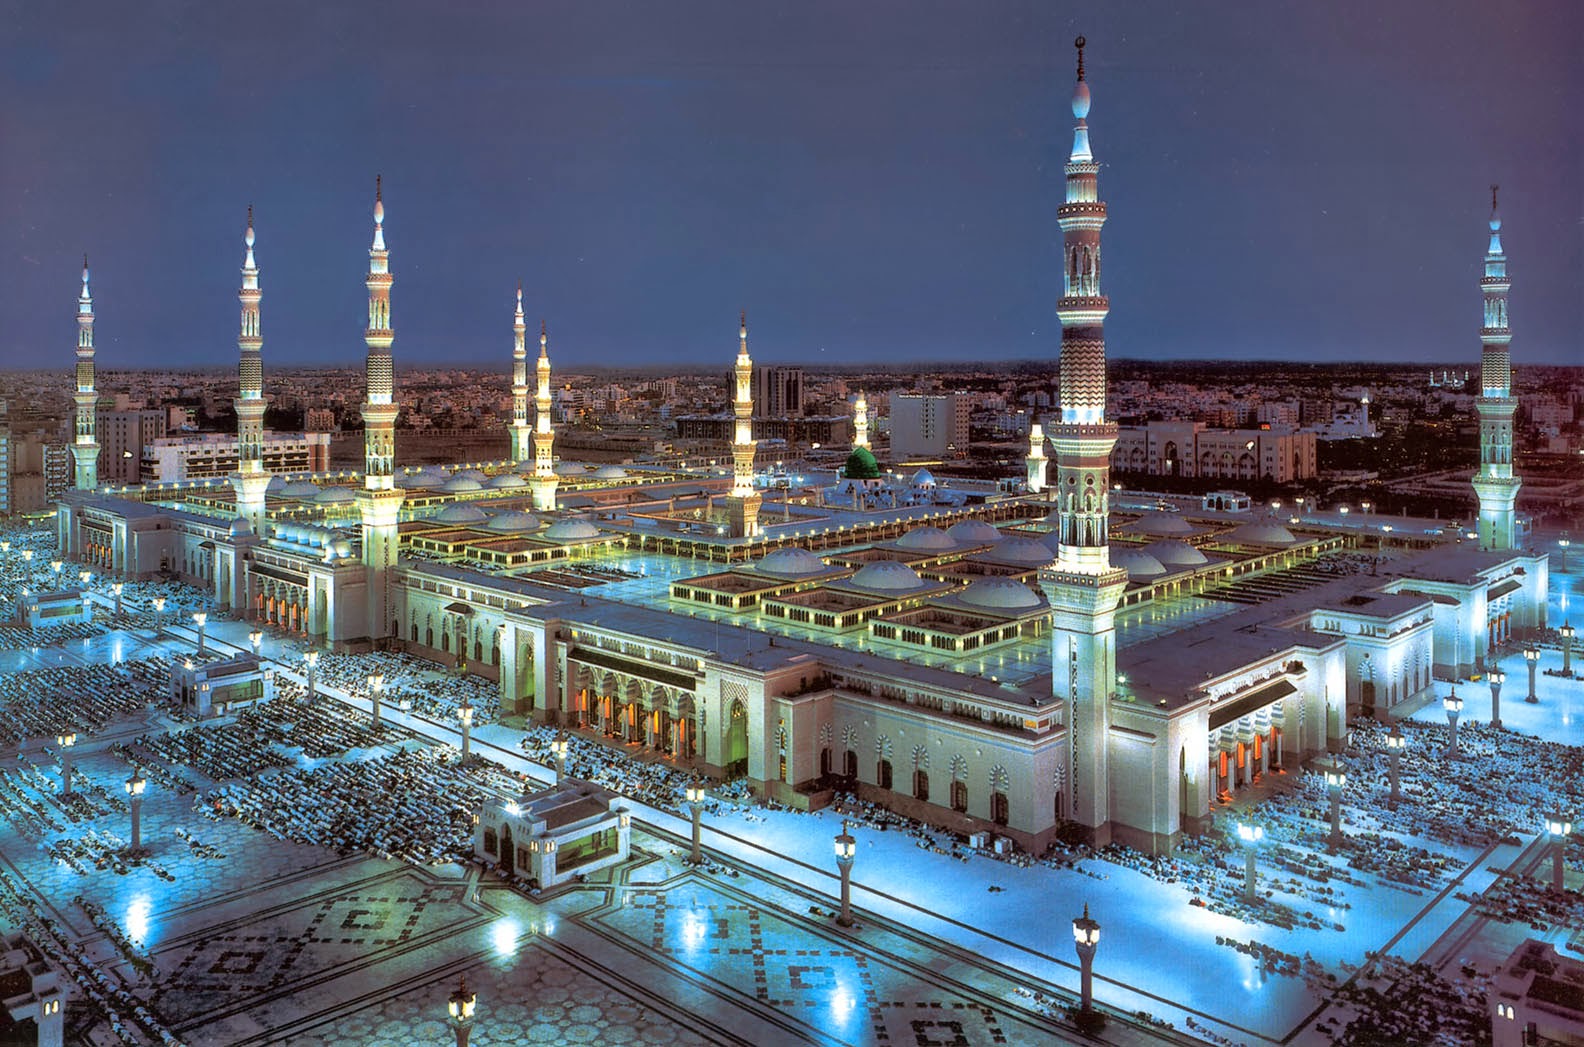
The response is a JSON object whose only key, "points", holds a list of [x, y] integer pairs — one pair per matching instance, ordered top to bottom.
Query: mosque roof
{"points": [[861, 465], [610, 472], [505, 480], [459, 484], [334, 496], [459, 513], [513, 521], [1162, 524], [571, 531], [973, 532], [1261, 532], [927, 539], [1026, 552], [1176, 553], [791, 562], [1139, 565], [886, 576], [1001, 594]]}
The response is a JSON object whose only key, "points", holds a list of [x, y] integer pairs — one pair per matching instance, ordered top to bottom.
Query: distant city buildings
{"points": [[777, 391], [928, 426], [122, 437], [1280, 455], [208, 456]]}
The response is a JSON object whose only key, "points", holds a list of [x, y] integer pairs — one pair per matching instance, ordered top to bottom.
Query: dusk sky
{"points": [[872, 181]]}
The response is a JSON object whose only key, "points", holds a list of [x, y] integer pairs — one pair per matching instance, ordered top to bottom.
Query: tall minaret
{"points": [[861, 421], [519, 427], [85, 449], [1036, 460], [544, 479], [250, 480], [1495, 483], [379, 502], [743, 502], [1082, 586]]}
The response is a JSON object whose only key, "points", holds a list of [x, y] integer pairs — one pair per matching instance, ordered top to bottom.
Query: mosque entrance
{"points": [[1367, 697], [737, 741], [508, 853]]}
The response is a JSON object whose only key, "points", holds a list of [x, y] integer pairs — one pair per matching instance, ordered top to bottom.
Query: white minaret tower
{"points": [[861, 421], [520, 428], [85, 448], [1036, 459], [250, 479], [1495, 483], [543, 484], [379, 502], [743, 502], [1082, 586]]}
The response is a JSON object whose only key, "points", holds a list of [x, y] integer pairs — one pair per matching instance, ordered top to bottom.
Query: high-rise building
{"points": [[777, 391], [928, 426], [122, 437]]}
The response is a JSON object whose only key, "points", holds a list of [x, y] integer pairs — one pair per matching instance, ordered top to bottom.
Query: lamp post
{"points": [[1563, 543], [56, 565], [84, 577], [116, 590], [159, 613], [201, 619], [256, 638], [1567, 648], [1532, 656], [311, 660], [1497, 678], [376, 683], [1454, 707], [465, 714], [66, 740], [1396, 744], [558, 751], [1335, 779], [134, 787], [695, 802], [1558, 827], [1251, 835], [846, 850], [1086, 936], [460, 1006]]}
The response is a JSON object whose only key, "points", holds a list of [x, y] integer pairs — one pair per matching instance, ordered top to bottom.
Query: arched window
{"points": [[825, 762], [850, 764], [883, 774], [921, 785], [959, 796], [998, 807]]}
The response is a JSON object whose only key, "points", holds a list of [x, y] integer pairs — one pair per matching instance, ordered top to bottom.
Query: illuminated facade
{"points": [[861, 421], [85, 449], [251, 479], [1495, 483], [743, 502]]}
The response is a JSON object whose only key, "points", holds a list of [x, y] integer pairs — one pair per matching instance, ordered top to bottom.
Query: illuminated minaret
{"points": [[861, 421], [519, 427], [85, 449], [1036, 459], [250, 479], [544, 479], [1495, 483], [379, 502], [743, 502], [1082, 586]]}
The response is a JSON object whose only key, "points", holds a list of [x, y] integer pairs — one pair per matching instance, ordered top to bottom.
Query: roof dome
{"points": [[861, 465], [569, 469], [610, 472], [471, 474], [923, 478], [505, 480], [423, 481], [276, 484], [461, 484], [300, 489], [335, 496], [457, 513], [513, 521], [1162, 524], [240, 528], [571, 531], [973, 532], [1262, 533], [926, 539], [1051, 540], [341, 548], [1025, 551], [1173, 552], [791, 562], [1139, 565], [887, 576], [1002, 594]]}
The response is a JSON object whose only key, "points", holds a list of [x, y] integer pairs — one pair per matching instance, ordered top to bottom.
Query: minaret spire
{"points": [[861, 420], [519, 428], [85, 446], [1036, 461], [250, 479], [544, 480], [1495, 484], [743, 502]]}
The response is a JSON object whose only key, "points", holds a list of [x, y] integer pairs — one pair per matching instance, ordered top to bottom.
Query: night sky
{"points": [[871, 180]]}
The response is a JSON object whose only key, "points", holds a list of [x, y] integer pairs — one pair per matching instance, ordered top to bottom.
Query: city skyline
{"points": [[831, 206]]}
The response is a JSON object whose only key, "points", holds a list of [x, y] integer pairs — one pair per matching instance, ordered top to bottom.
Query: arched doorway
{"points": [[737, 740], [508, 853]]}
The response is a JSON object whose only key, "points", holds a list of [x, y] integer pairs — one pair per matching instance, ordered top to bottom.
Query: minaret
{"points": [[861, 421], [519, 427], [85, 449], [1036, 459], [250, 479], [544, 479], [1495, 483], [379, 502], [743, 502], [1082, 587]]}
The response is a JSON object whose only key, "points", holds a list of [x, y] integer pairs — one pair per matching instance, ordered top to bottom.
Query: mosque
{"points": [[1024, 659]]}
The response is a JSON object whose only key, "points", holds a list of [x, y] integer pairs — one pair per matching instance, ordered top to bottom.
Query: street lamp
{"points": [[1563, 543], [56, 565], [84, 577], [116, 589], [159, 613], [201, 619], [256, 638], [1567, 648], [1532, 656], [311, 660], [1497, 678], [376, 683], [1454, 708], [465, 714], [66, 740], [1396, 745], [558, 750], [1335, 779], [134, 787], [695, 801], [1558, 827], [1251, 835], [846, 850], [1086, 936], [460, 1006]]}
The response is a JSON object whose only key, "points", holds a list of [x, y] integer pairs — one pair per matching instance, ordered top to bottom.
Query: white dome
{"points": [[569, 469], [610, 472], [471, 474], [923, 478], [505, 480], [418, 481], [277, 483], [460, 484], [300, 489], [334, 496], [457, 513], [513, 521], [1162, 524], [240, 528], [571, 531], [973, 532], [1259, 533], [926, 539], [1051, 540], [341, 548], [1025, 551], [1174, 553], [791, 562], [1139, 565], [887, 576], [1002, 594]]}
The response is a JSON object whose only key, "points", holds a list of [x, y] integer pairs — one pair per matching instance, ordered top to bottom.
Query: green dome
{"points": [[861, 465]]}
